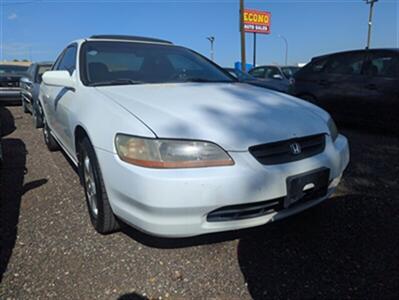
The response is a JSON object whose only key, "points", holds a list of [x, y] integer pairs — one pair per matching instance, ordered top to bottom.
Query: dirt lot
{"points": [[347, 247]]}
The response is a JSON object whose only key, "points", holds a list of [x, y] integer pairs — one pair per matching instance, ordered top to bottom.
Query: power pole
{"points": [[371, 2], [242, 32], [212, 40], [286, 48]]}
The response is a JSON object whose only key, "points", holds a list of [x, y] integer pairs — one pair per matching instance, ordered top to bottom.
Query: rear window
{"points": [[383, 65], [41, 71], [290, 71], [258, 72]]}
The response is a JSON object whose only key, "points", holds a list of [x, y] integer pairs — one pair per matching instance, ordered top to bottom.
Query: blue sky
{"points": [[39, 29]]}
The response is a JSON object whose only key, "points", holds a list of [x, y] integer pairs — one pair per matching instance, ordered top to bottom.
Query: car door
{"points": [[274, 74], [37, 80], [306, 80], [26, 85], [341, 88], [382, 89], [46, 96], [59, 99]]}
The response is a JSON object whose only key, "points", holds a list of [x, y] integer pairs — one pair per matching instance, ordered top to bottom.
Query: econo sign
{"points": [[256, 21]]}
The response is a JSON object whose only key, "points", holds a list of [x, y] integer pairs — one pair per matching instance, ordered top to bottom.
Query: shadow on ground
{"points": [[12, 187], [174, 243], [347, 247], [320, 254], [132, 296]]}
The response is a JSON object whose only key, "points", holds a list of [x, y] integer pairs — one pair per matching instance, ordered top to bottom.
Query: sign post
{"points": [[254, 21], [242, 34], [254, 63]]}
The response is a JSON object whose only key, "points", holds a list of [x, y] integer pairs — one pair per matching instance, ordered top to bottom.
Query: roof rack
{"points": [[129, 38]]}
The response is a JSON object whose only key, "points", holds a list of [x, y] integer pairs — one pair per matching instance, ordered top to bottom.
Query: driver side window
{"points": [[271, 71], [257, 72]]}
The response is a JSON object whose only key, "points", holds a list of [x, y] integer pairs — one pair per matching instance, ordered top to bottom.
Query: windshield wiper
{"points": [[121, 81]]}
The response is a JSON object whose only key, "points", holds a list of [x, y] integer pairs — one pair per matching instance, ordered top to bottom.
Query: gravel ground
{"points": [[347, 247]]}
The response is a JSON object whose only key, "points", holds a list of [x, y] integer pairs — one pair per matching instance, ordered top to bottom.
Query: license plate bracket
{"points": [[307, 186]]}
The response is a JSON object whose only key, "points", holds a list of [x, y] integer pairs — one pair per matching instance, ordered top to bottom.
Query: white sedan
{"points": [[170, 143]]}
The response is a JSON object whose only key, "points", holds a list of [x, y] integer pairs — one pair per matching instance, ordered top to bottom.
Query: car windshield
{"points": [[114, 63], [13, 70], [289, 71]]}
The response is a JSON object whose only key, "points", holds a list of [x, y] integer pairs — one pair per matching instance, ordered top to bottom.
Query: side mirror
{"points": [[277, 76], [58, 78]]}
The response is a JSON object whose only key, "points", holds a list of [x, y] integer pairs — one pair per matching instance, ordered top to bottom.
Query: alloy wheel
{"points": [[46, 133], [90, 185]]}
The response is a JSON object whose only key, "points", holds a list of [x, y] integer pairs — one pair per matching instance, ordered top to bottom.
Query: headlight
{"points": [[333, 129], [164, 153]]}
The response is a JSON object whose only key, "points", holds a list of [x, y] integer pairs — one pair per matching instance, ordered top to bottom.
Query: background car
{"points": [[10, 74], [280, 75], [265, 83], [30, 85], [359, 88]]}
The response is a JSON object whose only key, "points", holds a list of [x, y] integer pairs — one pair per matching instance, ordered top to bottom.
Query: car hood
{"points": [[233, 115]]}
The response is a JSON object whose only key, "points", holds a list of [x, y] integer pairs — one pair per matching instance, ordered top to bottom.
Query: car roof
{"points": [[130, 38], [356, 51], [277, 66]]}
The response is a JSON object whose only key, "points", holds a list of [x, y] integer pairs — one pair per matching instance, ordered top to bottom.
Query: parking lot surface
{"points": [[347, 247]]}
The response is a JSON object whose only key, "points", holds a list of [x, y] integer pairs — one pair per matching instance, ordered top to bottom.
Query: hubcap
{"points": [[90, 185]]}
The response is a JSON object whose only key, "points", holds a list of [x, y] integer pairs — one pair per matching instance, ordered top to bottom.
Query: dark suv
{"points": [[358, 88]]}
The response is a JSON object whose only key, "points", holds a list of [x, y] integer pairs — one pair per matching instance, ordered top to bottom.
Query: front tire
{"points": [[24, 108], [37, 116], [49, 140], [100, 211]]}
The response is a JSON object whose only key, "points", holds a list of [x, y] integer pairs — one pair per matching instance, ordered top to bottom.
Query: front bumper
{"points": [[10, 94], [176, 202]]}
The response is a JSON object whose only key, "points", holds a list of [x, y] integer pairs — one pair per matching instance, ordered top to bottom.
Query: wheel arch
{"points": [[79, 134]]}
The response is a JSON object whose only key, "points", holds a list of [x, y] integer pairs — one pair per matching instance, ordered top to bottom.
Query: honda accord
{"points": [[170, 143]]}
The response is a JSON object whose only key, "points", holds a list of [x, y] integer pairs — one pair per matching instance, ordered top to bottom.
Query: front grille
{"points": [[9, 84], [282, 152], [245, 211]]}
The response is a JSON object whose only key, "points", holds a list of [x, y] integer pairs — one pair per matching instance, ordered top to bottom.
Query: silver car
{"points": [[30, 85]]}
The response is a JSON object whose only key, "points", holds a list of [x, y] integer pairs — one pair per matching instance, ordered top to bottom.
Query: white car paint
{"points": [[233, 115], [175, 202]]}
